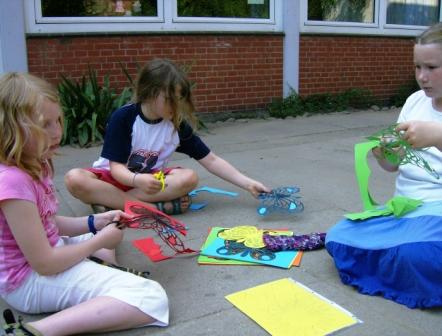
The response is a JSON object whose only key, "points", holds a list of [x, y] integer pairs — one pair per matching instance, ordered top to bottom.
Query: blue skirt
{"points": [[398, 258]]}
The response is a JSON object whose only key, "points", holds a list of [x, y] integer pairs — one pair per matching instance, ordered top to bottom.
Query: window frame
{"points": [[167, 20], [379, 27]]}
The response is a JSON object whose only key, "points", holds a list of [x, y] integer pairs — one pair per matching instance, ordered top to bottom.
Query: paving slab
{"points": [[314, 153]]}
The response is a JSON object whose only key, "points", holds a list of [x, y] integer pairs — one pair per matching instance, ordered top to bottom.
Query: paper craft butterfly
{"points": [[398, 151], [283, 198], [146, 217], [232, 247]]}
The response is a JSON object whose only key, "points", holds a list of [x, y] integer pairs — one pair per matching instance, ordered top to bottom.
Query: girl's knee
{"points": [[75, 180], [190, 180]]}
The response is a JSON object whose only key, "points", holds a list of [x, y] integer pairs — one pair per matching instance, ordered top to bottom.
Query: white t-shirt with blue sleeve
{"points": [[145, 145]]}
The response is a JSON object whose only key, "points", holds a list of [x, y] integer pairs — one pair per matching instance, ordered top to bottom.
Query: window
{"points": [[97, 8], [255, 9], [341, 10], [413, 12], [90, 16], [374, 17]]}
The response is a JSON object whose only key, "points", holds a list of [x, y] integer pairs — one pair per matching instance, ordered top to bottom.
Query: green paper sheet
{"points": [[363, 172], [398, 205]]}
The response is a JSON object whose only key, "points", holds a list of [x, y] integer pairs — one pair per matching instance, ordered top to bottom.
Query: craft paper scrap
{"points": [[398, 206], [220, 248], [150, 249], [206, 260], [286, 307]]}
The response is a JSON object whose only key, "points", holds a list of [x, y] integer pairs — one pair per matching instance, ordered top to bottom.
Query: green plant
{"points": [[403, 92], [294, 105], [86, 106], [289, 106]]}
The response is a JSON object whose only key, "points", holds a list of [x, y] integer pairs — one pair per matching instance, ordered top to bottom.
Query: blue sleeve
{"points": [[118, 137], [190, 143]]}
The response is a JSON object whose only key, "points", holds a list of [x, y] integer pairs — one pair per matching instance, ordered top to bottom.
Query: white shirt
{"points": [[413, 181]]}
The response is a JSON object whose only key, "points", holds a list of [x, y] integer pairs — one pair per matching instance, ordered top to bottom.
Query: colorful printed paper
{"points": [[227, 249], [206, 260], [286, 307]]}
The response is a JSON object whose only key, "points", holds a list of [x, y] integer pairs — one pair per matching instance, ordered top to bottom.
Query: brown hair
{"points": [[162, 75], [21, 96]]}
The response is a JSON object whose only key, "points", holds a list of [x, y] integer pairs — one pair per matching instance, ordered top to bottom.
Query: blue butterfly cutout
{"points": [[282, 198]]}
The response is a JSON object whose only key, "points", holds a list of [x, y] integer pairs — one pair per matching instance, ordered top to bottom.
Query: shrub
{"points": [[403, 92], [294, 105], [86, 106]]}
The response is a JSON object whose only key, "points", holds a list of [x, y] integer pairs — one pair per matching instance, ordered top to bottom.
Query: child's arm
{"points": [[420, 134], [223, 169], [146, 182], [26, 226], [74, 226]]}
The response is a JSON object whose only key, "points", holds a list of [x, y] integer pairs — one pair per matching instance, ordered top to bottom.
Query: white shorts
{"points": [[87, 280]]}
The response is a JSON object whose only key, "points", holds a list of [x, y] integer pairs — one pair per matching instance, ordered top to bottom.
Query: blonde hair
{"points": [[431, 35], [162, 75], [21, 96]]}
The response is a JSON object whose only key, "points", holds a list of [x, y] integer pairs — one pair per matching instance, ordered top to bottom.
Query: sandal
{"points": [[173, 207], [98, 208], [12, 327]]}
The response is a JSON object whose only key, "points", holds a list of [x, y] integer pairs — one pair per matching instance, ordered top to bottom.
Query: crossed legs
{"points": [[85, 186]]}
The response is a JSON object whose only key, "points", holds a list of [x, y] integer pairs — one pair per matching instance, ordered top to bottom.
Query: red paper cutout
{"points": [[146, 217], [151, 249]]}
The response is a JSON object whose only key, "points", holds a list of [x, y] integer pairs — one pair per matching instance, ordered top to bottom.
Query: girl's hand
{"points": [[420, 134], [378, 153], [386, 163], [147, 183], [256, 188], [103, 219], [110, 236]]}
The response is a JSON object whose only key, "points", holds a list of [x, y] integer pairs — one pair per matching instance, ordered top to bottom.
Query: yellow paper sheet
{"points": [[286, 307]]}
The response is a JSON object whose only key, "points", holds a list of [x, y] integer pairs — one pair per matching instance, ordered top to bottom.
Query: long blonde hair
{"points": [[162, 75], [21, 96]]}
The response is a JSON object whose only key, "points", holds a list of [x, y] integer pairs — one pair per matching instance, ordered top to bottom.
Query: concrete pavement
{"points": [[314, 153]]}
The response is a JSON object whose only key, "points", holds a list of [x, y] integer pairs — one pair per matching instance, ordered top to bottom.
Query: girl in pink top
{"points": [[43, 257]]}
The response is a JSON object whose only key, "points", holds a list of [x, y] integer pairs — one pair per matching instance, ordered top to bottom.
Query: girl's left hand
{"points": [[103, 219]]}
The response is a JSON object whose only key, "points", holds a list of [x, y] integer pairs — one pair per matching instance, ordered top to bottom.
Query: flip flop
{"points": [[98, 208]]}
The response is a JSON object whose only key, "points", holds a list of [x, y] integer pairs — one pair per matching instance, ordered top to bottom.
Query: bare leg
{"points": [[179, 183], [85, 186], [107, 255], [100, 314]]}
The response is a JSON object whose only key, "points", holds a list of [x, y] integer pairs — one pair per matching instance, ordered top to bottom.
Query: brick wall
{"points": [[332, 64], [231, 72]]}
